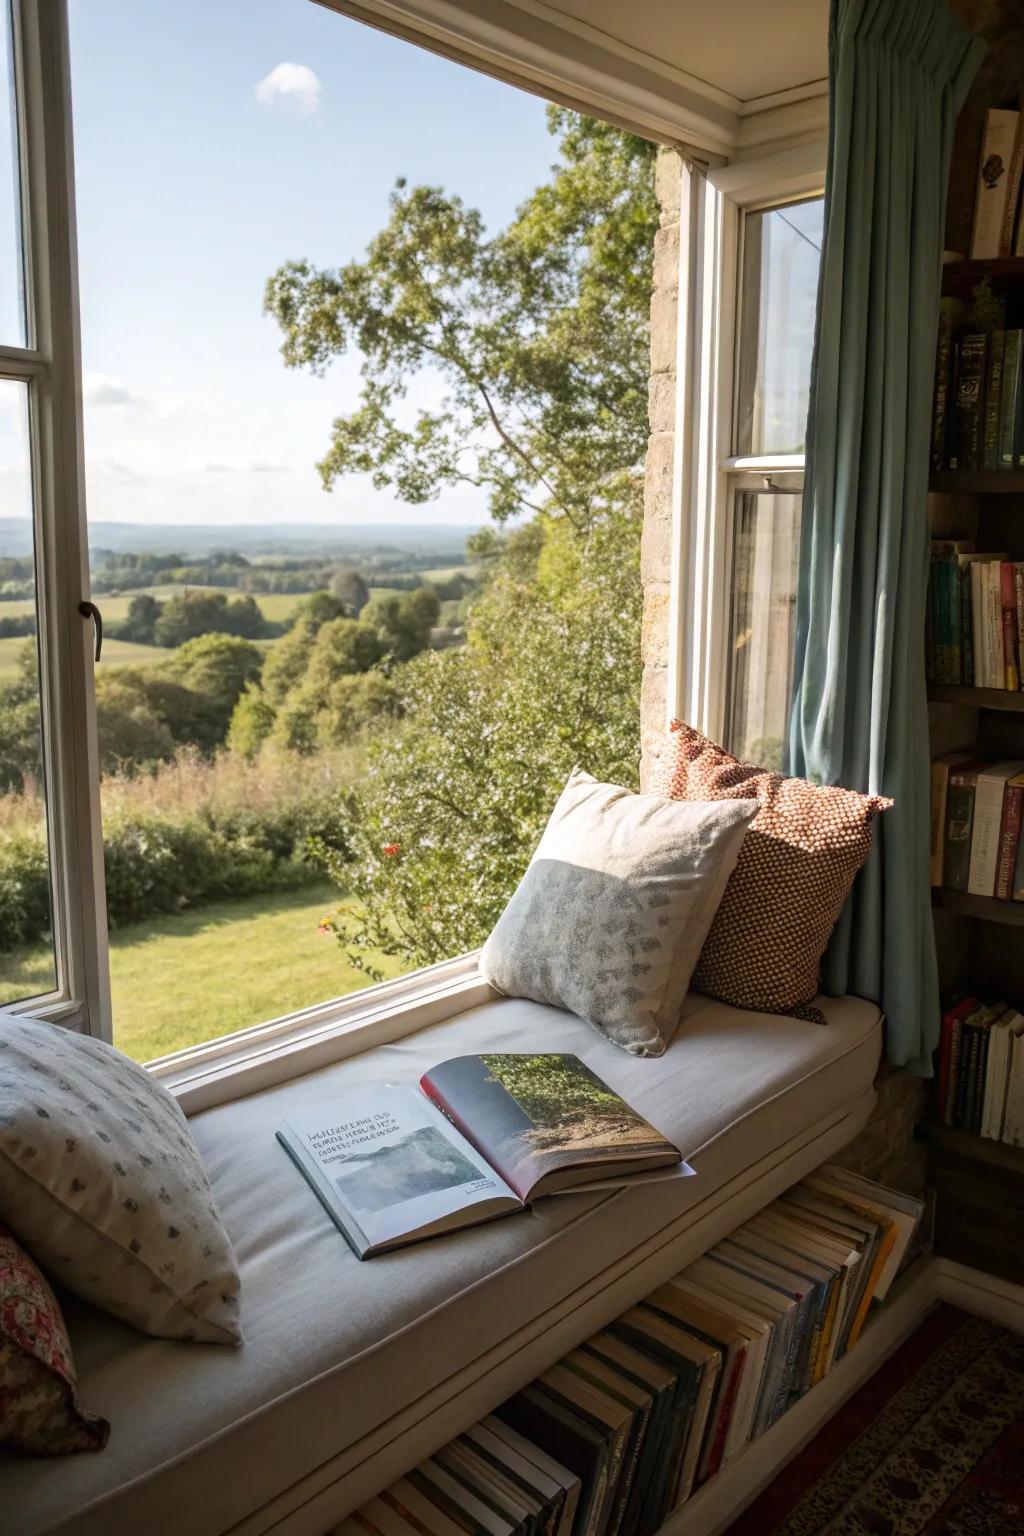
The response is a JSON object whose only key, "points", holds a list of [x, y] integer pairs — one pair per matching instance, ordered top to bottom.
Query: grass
{"points": [[116, 653], [190, 977]]}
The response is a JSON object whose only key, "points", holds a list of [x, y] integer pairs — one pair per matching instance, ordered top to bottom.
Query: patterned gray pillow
{"points": [[612, 913], [102, 1182]]}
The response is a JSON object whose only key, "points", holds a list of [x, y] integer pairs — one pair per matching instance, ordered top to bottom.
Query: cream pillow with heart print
{"points": [[612, 913], [101, 1181]]}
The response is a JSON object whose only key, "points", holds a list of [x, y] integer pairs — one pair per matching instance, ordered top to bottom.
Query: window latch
{"points": [[90, 611]]}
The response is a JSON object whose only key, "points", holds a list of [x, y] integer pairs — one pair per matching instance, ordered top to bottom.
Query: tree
{"points": [[540, 336], [349, 587], [404, 622], [140, 625], [218, 667], [251, 722], [21, 755]]}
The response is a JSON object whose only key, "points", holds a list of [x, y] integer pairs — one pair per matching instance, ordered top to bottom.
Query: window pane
{"points": [[782, 252], [12, 286], [766, 548], [27, 964]]}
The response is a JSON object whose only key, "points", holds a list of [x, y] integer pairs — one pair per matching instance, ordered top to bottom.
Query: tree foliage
{"points": [[539, 334]]}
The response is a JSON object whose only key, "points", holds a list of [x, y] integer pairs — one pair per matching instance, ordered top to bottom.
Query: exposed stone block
{"points": [[668, 178], [666, 257], [664, 312], [661, 401], [655, 632]]}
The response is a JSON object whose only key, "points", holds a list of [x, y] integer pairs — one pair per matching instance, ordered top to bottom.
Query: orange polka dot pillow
{"points": [[798, 861]]}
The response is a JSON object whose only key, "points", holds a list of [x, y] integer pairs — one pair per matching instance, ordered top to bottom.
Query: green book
{"points": [[993, 400], [1010, 404], [960, 793]]}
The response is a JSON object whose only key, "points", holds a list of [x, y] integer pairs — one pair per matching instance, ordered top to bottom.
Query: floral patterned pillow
{"points": [[101, 1180], [39, 1409]]}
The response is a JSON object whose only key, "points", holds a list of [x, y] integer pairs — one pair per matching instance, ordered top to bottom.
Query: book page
{"points": [[546, 1121], [394, 1163]]}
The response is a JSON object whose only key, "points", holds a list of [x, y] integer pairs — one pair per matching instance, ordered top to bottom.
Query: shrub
{"points": [[189, 833]]}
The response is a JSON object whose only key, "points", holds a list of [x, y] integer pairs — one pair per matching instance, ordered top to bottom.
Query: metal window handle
{"points": [[90, 611]]}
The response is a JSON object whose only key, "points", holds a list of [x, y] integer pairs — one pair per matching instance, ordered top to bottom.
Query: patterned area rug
{"points": [[932, 1445]]}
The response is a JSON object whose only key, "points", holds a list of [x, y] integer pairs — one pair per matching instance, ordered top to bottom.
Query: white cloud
{"points": [[290, 82], [100, 389], [248, 467], [114, 472]]}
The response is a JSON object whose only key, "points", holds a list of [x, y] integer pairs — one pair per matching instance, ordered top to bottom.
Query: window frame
{"points": [[50, 367], [708, 473]]}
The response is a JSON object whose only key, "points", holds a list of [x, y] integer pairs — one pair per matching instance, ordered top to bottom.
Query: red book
{"points": [[1008, 600], [1009, 836], [949, 1044]]}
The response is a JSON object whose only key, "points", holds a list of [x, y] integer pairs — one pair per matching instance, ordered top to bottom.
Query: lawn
{"points": [[185, 978]]}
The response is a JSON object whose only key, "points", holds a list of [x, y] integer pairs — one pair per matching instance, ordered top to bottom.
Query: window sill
{"points": [[252, 1059]]}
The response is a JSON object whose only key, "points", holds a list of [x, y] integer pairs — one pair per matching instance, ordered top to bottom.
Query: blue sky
{"points": [[202, 164]]}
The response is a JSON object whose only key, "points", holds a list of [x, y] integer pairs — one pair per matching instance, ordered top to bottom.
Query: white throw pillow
{"points": [[612, 913], [101, 1181]]}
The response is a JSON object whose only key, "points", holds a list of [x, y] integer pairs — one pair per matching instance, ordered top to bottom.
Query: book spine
{"points": [[1013, 179], [993, 182], [943, 386], [1011, 393], [970, 400], [993, 400], [1018, 593], [1008, 605], [942, 620], [977, 622], [966, 627], [995, 666], [940, 786], [988, 813], [959, 824], [1009, 837], [956, 1042], [981, 1077], [964, 1082], [989, 1110]]}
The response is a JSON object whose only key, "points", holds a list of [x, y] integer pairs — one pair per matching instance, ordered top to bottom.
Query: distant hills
{"points": [[445, 543]]}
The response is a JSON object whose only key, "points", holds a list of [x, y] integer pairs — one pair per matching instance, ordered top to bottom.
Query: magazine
{"points": [[480, 1137]]}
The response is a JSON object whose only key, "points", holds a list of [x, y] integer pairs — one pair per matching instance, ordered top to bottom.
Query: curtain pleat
{"points": [[899, 71]]}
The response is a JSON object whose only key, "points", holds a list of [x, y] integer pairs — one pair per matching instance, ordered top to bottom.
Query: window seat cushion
{"points": [[343, 1361]]}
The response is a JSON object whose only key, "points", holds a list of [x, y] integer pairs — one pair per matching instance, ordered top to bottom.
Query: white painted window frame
{"points": [[50, 366], [707, 473]]}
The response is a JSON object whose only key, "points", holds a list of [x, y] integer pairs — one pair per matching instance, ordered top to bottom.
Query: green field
{"points": [[116, 653], [189, 977]]}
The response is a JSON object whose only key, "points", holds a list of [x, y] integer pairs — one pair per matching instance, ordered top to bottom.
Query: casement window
{"points": [[747, 301], [41, 495]]}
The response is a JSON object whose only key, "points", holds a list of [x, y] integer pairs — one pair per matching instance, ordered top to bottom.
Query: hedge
{"points": [[159, 863]]}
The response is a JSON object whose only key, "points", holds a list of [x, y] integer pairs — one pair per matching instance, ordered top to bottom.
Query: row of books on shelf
{"points": [[978, 409], [975, 621], [977, 811], [980, 1079], [621, 1430]]}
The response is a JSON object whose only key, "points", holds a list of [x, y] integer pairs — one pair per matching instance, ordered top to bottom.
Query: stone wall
{"points": [[656, 551], [886, 1148]]}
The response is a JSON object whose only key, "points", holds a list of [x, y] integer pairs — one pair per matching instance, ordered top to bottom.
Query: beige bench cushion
{"points": [[203, 1437]]}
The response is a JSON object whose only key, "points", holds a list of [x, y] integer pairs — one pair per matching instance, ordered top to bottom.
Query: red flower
{"points": [[391, 849]]}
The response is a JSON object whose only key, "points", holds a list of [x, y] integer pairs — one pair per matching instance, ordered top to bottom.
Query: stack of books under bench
{"points": [[619, 1433]]}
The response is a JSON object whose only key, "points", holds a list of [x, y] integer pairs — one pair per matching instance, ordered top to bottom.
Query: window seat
{"points": [[351, 1372]]}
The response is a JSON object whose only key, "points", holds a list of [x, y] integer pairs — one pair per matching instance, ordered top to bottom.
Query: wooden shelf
{"points": [[961, 277], [978, 482], [977, 698], [987, 908], [960, 1143]]}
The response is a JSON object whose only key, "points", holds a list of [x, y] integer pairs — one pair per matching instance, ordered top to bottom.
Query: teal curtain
{"points": [[898, 73]]}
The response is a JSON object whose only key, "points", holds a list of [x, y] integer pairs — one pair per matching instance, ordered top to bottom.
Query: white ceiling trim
{"points": [[573, 63]]}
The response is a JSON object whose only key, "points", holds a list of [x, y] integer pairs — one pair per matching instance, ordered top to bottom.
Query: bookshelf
{"points": [[977, 698], [985, 908], [979, 1182]]}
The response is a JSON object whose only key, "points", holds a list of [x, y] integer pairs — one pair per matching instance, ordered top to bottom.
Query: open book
{"points": [[482, 1136]]}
